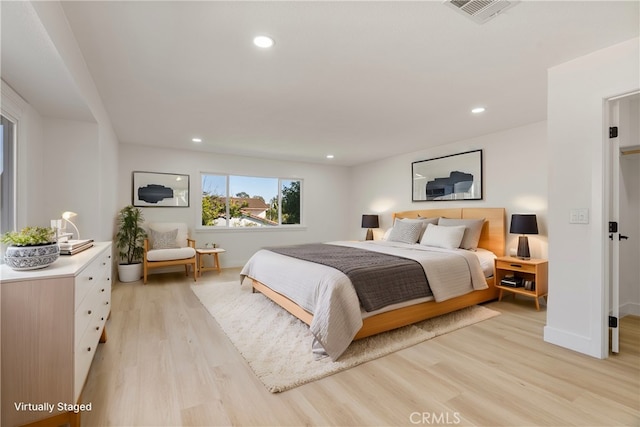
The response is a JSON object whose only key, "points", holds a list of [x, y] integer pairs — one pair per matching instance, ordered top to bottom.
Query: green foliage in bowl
{"points": [[30, 236]]}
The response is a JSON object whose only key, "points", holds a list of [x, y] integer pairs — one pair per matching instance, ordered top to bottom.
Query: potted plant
{"points": [[129, 241], [31, 248]]}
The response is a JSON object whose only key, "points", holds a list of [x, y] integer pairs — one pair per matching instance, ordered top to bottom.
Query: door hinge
{"points": [[613, 132], [613, 227], [613, 322]]}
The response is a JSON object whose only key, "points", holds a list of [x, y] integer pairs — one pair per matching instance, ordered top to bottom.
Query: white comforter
{"points": [[329, 295]]}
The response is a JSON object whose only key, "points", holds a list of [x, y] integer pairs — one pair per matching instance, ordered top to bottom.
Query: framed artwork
{"points": [[453, 177], [156, 189]]}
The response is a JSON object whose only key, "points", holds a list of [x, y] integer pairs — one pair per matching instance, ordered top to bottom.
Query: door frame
{"points": [[608, 182]]}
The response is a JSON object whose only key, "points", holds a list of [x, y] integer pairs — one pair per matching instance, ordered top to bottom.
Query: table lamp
{"points": [[67, 216], [370, 221], [523, 224]]}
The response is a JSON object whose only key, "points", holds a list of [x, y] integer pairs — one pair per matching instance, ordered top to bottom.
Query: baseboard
{"points": [[629, 309], [580, 343]]}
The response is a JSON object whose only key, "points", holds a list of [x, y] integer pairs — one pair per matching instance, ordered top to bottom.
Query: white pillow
{"points": [[405, 232], [471, 234], [447, 237]]}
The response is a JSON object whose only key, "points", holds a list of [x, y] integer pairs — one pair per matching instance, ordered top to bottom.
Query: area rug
{"points": [[277, 345]]}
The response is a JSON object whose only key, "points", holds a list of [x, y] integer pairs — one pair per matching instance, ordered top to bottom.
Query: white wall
{"points": [[576, 96], [90, 146], [72, 147], [515, 177], [325, 197]]}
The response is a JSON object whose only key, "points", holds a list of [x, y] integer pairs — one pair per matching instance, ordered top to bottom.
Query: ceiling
{"points": [[359, 80]]}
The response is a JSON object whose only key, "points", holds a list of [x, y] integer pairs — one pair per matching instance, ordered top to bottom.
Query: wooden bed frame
{"points": [[492, 238]]}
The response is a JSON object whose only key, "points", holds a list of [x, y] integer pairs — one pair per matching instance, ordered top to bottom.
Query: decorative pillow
{"points": [[423, 221], [405, 232], [471, 234], [443, 237], [164, 239]]}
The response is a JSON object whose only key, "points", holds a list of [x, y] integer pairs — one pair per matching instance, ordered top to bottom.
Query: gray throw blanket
{"points": [[379, 279]]}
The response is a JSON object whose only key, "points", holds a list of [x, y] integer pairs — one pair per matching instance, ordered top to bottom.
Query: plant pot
{"points": [[31, 257], [129, 272]]}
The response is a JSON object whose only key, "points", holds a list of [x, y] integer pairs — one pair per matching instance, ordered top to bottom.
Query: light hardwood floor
{"points": [[167, 363]]}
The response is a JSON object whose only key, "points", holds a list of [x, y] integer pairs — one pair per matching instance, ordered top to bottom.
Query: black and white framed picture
{"points": [[453, 177], [156, 189]]}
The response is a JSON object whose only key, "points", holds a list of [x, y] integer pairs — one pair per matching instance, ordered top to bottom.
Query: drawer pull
{"points": [[516, 265], [90, 277], [102, 290], [106, 303], [89, 312], [102, 318], [97, 328], [89, 349]]}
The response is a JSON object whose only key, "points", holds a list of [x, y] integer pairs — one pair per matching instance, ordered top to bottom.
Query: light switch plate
{"points": [[579, 216]]}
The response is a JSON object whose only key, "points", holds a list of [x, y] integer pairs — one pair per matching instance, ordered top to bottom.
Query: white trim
{"points": [[12, 107]]}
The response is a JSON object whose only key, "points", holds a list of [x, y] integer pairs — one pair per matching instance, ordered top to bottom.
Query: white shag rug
{"points": [[277, 345]]}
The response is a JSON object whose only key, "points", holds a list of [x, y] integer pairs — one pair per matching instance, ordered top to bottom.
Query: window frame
{"points": [[227, 176]]}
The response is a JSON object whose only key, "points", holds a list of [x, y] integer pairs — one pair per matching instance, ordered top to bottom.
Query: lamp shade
{"points": [[68, 215], [370, 221], [523, 224]]}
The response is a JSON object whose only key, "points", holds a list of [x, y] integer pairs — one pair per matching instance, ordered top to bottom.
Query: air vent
{"points": [[480, 10]]}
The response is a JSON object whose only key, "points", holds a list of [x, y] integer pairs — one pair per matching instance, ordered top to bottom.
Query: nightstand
{"points": [[214, 252], [534, 270]]}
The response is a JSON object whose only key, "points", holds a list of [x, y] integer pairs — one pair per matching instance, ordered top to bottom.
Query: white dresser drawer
{"points": [[98, 270], [85, 281], [94, 309], [83, 356]]}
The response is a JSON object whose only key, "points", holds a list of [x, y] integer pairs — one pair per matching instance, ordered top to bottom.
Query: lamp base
{"points": [[369, 234], [523, 248]]}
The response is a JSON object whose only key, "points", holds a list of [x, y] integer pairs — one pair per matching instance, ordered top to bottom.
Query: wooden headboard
{"points": [[493, 232]]}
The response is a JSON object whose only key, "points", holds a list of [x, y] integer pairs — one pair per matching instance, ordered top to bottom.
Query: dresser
{"points": [[52, 321]]}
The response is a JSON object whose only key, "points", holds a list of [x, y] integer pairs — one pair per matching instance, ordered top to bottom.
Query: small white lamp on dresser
{"points": [[52, 321]]}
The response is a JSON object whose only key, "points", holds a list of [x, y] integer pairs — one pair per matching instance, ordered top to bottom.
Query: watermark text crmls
{"points": [[435, 418]]}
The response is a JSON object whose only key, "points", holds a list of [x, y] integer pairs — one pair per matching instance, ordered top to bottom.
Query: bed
{"points": [[328, 298]]}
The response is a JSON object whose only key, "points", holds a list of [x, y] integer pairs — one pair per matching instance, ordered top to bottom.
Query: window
{"points": [[7, 175], [248, 201]]}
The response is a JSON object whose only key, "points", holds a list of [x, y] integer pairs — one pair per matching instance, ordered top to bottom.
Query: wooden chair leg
{"points": [[144, 275]]}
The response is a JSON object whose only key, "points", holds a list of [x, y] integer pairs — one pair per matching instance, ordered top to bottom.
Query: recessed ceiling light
{"points": [[264, 42], [478, 110], [196, 139], [330, 156]]}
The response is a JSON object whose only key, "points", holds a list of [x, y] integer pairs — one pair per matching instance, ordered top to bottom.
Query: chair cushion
{"points": [[170, 254]]}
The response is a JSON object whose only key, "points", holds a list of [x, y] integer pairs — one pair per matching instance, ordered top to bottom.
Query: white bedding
{"points": [[329, 295]]}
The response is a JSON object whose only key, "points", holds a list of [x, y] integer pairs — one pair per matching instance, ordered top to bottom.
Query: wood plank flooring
{"points": [[167, 363]]}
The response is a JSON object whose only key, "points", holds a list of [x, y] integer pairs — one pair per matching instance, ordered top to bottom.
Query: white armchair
{"points": [[168, 244]]}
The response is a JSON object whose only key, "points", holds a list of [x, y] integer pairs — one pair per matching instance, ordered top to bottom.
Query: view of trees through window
{"points": [[246, 201]]}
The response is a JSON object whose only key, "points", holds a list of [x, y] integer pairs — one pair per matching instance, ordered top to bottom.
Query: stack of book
{"points": [[72, 247], [512, 282]]}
